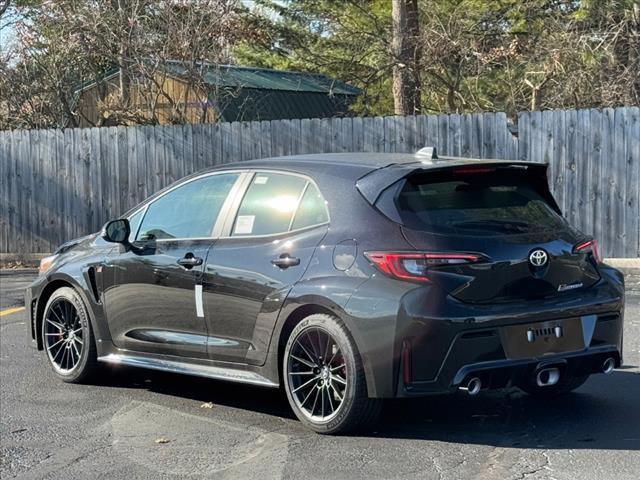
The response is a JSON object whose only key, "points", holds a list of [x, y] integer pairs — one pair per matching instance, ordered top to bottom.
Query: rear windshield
{"points": [[473, 203]]}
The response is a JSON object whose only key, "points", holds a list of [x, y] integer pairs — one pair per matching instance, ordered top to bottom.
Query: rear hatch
{"points": [[501, 212]]}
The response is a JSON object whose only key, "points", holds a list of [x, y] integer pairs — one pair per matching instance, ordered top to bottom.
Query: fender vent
{"points": [[91, 274], [34, 314]]}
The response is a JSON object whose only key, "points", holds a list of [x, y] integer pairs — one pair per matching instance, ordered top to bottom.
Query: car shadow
{"points": [[268, 401], [602, 414]]}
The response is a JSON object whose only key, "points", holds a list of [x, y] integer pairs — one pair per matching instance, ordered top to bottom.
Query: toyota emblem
{"points": [[538, 258]]}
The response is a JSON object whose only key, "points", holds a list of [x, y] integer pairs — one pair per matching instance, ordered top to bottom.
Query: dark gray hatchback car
{"points": [[343, 278]]}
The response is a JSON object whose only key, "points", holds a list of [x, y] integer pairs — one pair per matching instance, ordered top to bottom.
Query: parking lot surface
{"points": [[141, 424]]}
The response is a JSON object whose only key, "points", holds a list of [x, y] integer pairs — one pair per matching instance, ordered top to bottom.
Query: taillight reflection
{"points": [[588, 246]]}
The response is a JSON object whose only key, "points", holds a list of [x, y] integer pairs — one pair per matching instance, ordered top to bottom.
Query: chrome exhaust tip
{"points": [[608, 365], [547, 377], [473, 386]]}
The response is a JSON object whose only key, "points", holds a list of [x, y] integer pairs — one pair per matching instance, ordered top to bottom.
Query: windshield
{"points": [[474, 204]]}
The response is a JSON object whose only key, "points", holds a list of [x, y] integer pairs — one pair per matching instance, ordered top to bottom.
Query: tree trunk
{"points": [[405, 51], [634, 53], [123, 56], [125, 84]]}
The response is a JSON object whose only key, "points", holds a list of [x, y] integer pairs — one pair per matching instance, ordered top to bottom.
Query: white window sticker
{"points": [[261, 180], [244, 224]]}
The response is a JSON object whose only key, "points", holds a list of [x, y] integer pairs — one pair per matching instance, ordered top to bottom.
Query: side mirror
{"points": [[117, 231]]}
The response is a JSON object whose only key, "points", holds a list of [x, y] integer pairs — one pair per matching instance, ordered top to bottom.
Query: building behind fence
{"points": [[56, 185]]}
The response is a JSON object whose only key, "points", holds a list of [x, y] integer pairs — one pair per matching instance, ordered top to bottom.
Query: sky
{"points": [[7, 33]]}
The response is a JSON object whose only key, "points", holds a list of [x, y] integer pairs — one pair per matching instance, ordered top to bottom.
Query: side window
{"points": [[269, 204], [312, 209], [189, 211]]}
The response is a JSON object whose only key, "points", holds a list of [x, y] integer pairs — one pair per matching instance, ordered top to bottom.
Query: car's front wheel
{"points": [[67, 336], [324, 378]]}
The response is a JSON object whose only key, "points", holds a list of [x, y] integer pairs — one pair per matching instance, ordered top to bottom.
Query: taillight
{"points": [[588, 246], [414, 266]]}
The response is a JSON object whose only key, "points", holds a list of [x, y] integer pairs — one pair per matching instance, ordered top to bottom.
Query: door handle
{"points": [[189, 261], [285, 261]]}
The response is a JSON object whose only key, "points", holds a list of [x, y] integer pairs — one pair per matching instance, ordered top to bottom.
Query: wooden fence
{"points": [[57, 185]]}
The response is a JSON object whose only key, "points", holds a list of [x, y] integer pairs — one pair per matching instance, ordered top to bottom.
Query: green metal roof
{"points": [[264, 79]]}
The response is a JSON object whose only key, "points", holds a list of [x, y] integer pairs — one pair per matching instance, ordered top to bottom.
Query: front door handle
{"points": [[190, 261], [285, 261]]}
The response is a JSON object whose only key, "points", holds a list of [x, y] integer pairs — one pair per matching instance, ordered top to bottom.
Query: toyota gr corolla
{"points": [[343, 278]]}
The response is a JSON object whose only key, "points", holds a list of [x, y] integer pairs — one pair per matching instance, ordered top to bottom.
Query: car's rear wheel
{"points": [[67, 336], [324, 378], [564, 386]]}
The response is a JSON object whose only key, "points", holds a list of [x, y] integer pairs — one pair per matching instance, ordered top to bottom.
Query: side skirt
{"points": [[218, 373]]}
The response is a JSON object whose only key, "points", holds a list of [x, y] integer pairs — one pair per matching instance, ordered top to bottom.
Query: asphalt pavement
{"points": [[135, 424]]}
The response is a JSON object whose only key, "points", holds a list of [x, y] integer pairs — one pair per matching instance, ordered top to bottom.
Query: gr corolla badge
{"points": [[345, 278]]}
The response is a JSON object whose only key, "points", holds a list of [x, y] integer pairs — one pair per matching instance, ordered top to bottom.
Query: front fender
{"points": [[86, 281]]}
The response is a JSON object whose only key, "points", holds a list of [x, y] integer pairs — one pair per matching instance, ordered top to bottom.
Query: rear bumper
{"points": [[449, 340], [485, 353], [506, 373]]}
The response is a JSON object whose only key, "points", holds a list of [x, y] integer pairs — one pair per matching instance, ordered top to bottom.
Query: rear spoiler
{"points": [[375, 182]]}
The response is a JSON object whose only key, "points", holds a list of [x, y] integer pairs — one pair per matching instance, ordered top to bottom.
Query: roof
{"points": [[250, 78], [264, 78], [375, 160], [388, 167], [372, 172]]}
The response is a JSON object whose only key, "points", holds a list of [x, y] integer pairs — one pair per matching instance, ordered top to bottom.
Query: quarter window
{"points": [[312, 209], [189, 211]]}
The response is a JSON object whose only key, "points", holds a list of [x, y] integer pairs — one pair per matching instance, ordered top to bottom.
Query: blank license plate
{"points": [[542, 338]]}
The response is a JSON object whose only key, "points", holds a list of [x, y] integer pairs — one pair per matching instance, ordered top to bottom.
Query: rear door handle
{"points": [[189, 261], [285, 261]]}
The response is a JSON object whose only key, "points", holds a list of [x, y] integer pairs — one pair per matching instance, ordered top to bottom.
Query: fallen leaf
{"points": [[162, 440]]}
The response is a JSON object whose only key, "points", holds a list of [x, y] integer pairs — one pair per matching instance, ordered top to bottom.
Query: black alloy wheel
{"points": [[67, 336], [63, 337], [317, 374], [324, 378]]}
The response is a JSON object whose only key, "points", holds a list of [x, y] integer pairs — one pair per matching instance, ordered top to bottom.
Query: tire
{"points": [[321, 344], [79, 362], [564, 386]]}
